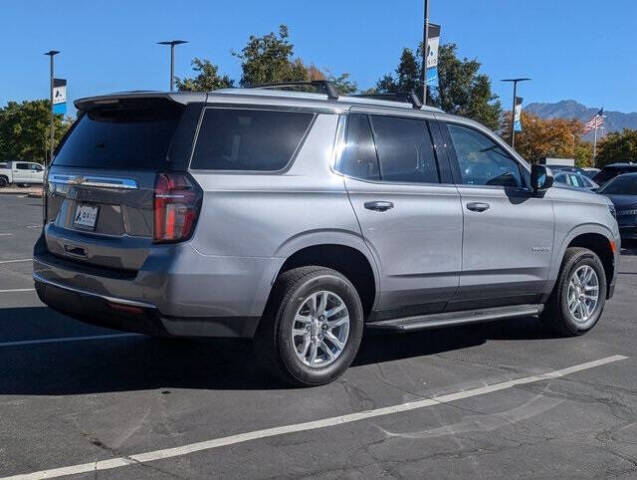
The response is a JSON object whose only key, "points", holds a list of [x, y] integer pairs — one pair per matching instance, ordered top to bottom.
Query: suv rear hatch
{"points": [[101, 201]]}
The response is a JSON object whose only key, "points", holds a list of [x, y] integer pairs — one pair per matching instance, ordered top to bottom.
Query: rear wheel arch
{"points": [[357, 267]]}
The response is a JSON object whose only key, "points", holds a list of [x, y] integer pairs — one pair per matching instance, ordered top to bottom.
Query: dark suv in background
{"points": [[611, 171]]}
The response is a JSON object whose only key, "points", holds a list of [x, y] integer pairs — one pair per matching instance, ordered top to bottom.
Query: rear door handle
{"points": [[379, 206], [478, 206]]}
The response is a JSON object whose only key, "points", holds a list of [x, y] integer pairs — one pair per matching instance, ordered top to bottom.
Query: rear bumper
{"points": [[178, 292], [138, 317]]}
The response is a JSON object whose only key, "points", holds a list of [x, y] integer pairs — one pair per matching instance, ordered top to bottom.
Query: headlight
{"points": [[612, 210]]}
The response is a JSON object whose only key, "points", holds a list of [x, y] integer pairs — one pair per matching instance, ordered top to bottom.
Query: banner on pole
{"points": [[433, 44], [59, 95], [517, 117]]}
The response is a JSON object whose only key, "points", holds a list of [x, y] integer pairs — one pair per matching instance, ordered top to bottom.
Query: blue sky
{"points": [[585, 49]]}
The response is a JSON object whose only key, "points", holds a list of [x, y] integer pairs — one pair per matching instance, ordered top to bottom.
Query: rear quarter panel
{"points": [[271, 216]]}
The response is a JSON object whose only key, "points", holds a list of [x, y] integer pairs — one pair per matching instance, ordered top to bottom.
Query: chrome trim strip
{"points": [[104, 182], [121, 301]]}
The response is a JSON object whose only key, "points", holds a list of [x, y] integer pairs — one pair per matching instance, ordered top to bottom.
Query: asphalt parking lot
{"points": [[501, 400]]}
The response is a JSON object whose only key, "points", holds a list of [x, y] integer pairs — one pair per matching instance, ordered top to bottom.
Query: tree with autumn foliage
{"points": [[555, 137]]}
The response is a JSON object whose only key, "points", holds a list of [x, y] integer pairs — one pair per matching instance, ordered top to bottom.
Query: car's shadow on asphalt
{"points": [[629, 248], [141, 363]]}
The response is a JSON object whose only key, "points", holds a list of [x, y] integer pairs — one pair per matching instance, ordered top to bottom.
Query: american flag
{"points": [[596, 122]]}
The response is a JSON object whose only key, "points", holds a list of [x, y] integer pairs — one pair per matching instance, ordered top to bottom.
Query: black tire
{"points": [[3, 182], [556, 314], [273, 341]]}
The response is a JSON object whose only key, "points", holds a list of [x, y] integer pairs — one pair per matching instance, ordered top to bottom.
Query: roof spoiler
{"points": [[324, 86], [113, 99]]}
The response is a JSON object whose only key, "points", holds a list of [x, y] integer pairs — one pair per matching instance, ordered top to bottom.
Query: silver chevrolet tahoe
{"points": [[302, 219]]}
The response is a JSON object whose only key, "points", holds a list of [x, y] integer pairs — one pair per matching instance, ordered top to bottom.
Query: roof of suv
{"points": [[254, 94], [630, 165]]}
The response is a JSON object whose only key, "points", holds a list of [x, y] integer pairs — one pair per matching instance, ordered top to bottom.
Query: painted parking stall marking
{"points": [[41, 341], [301, 427]]}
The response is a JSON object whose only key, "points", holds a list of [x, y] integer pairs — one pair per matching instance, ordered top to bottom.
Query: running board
{"points": [[419, 322]]}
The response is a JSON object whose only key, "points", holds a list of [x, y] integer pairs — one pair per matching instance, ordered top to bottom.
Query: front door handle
{"points": [[379, 206], [478, 206]]}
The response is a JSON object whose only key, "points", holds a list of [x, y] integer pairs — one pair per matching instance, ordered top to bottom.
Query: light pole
{"points": [[425, 39], [172, 44], [51, 54], [515, 89]]}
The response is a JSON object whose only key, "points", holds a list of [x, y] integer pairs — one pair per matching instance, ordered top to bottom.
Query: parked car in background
{"points": [[611, 171], [590, 172], [21, 173], [576, 180], [622, 191], [300, 219]]}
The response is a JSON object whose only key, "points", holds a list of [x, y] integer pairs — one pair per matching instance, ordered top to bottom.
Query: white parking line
{"points": [[6, 234], [16, 261], [12, 290], [66, 339], [300, 427]]}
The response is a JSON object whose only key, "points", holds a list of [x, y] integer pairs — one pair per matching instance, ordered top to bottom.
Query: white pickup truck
{"points": [[21, 173]]}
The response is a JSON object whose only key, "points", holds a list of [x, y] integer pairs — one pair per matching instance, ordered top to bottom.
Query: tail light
{"points": [[177, 204]]}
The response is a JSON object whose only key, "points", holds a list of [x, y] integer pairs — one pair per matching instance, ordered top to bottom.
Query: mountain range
{"points": [[613, 121]]}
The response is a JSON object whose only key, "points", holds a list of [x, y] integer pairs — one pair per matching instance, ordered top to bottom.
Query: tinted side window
{"points": [[260, 140], [405, 150], [359, 157], [481, 160], [22, 166], [561, 178], [575, 181]]}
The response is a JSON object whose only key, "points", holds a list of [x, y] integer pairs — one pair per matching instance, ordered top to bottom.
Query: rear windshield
{"points": [[127, 136], [243, 139]]}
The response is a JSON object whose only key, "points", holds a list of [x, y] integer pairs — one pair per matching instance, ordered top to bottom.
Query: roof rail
{"points": [[325, 85], [409, 97]]}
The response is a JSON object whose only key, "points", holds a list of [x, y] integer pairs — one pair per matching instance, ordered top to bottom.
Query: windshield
{"points": [[133, 136], [622, 185]]}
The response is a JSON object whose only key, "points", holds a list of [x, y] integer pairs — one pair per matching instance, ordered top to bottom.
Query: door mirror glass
{"points": [[541, 178]]}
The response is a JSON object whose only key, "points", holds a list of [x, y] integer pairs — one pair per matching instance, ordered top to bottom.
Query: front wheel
{"points": [[578, 299], [312, 327]]}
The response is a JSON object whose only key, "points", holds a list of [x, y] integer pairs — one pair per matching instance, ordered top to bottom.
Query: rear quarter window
{"points": [[248, 140]]}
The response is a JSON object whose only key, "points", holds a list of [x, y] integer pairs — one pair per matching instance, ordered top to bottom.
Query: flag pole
{"points": [[425, 41], [595, 141]]}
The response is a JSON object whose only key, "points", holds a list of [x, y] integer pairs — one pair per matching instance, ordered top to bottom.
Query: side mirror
{"points": [[541, 178]]}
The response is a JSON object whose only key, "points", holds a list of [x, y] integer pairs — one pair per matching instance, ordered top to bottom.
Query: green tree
{"points": [[269, 59], [406, 78], [206, 80], [342, 83], [462, 89], [24, 130], [618, 147]]}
